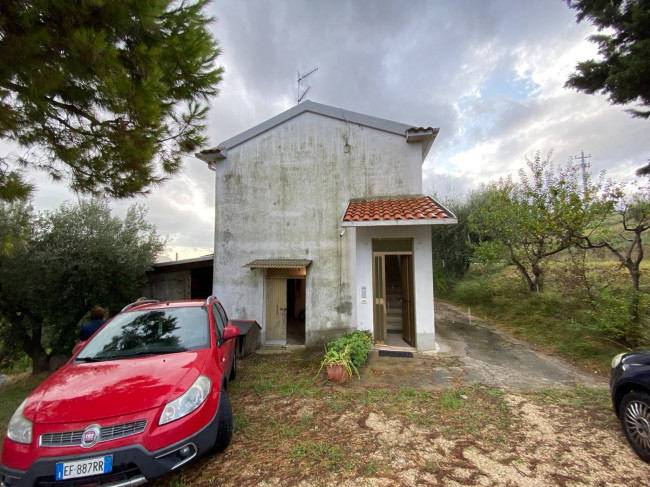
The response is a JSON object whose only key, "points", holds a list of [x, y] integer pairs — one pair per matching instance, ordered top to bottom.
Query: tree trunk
{"points": [[523, 271], [537, 273], [635, 274], [33, 347], [40, 361]]}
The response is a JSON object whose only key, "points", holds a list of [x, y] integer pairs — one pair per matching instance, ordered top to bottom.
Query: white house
{"points": [[321, 227]]}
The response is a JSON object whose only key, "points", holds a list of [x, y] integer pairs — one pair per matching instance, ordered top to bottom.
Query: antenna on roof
{"points": [[302, 81]]}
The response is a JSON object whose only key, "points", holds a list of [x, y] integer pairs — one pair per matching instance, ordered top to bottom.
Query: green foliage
{"points": [[624, 48], [106, 94], [633, 211], [527, 221], [14, 225], [451, 244], [70, 260], [474, 291], [611, 318], [587, 325], [358, 343], [336, 356], [15, 363], [450, 399], [318, 454]]}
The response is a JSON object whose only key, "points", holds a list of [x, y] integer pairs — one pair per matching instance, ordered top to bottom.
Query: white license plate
{"points": [[83, 468]]}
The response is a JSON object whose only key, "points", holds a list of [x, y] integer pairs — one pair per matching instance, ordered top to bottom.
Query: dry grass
{"points": [[293, 430]]}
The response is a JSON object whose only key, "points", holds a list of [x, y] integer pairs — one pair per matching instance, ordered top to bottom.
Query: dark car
{"points": [[629, 385], [145, 395]]}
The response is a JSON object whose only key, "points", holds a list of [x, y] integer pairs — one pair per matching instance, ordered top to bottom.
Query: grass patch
{"points": [[559, 318], [329, 457]]}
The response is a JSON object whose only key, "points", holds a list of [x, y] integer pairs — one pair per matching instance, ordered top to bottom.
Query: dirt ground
{"points": [[548, 425], [388, 437]]}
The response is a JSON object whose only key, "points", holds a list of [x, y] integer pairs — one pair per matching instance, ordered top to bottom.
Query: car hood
{"points": [[636, 358], [93, 391]]}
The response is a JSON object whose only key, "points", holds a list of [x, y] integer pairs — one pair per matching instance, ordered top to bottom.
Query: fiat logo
{"points": [[90, 436]]}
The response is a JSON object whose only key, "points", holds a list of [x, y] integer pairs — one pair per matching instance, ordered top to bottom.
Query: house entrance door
{"points": [[393, 292], [379, 298], [286, 303], [276, 309]]}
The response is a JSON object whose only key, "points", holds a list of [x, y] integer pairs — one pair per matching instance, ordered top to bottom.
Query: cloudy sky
{"points": [[490, 74]]}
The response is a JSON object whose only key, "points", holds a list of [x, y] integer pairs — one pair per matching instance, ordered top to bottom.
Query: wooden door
{"points": [[379, 298], [276, 309], [408, 318]]}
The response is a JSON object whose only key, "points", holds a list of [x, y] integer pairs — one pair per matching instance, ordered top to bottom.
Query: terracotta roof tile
{"points": [[385, 209]]}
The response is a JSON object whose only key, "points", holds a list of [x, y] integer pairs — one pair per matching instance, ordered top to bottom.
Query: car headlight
{"points": [[617, 360], [188, 402], [20, 428]]}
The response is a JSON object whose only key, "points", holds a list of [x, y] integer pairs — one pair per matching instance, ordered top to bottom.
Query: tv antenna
{"points": [[302, 82]]}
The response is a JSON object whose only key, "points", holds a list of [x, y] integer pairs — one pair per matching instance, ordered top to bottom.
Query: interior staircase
{"points": [[393, 295]]}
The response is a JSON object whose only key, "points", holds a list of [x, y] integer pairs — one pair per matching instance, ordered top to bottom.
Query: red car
{"points": [[144, 396]]}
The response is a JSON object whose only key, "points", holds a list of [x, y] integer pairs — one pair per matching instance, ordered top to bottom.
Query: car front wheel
{"points": [[233, 368], [635, 418], [224, 428]]}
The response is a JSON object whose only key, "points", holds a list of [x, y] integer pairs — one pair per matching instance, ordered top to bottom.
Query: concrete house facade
{"points": [[321, 227]]}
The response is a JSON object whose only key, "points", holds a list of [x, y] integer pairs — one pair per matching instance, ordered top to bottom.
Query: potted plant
{"points": [[338, 364]]}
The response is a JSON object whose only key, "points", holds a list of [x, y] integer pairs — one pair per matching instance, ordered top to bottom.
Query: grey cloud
{"points": [[417, 62]]}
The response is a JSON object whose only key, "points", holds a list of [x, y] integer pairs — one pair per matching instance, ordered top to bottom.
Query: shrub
{"points": [[611, 316], [359, 343]]}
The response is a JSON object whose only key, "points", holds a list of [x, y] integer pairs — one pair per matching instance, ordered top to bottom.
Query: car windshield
{"points": [[141, 333]]}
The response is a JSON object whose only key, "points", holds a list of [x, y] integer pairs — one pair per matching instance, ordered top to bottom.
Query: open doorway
{"points": [[285, 306], [296, 311], [394, 317]]}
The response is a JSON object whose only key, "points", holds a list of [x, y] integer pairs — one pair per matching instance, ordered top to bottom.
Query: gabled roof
{"points": [[426, 135], [407, 210]]}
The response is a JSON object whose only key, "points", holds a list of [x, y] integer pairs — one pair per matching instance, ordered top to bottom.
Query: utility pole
{"points": [[582, 157]]}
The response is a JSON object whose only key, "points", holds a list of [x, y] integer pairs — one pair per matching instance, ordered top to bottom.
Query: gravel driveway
{"points": [[472, 351]]}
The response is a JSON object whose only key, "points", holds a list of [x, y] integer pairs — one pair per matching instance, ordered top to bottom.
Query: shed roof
{"points": [[278, 264]]}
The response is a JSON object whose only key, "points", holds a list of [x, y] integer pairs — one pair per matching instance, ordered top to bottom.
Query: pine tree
{"points": [[624, 71], [103, 94]]}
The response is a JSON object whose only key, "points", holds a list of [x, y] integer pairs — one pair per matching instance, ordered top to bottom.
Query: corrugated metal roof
{"points": [[390, 126], [278, 264]]}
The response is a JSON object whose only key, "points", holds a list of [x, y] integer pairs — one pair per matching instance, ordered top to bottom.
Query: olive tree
{"points": [[64, 263]]}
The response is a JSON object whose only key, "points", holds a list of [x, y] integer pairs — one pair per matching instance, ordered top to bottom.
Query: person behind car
{"points": [[97, 319]]}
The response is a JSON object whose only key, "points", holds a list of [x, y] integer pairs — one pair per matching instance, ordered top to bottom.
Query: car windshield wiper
{"points": [[144, 353], [89, 359]]}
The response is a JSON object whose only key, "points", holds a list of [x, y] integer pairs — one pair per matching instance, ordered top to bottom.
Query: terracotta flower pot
{"points": [[337, 372]]}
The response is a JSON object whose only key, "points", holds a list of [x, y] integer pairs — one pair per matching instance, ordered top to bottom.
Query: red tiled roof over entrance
{"points": [[386, 209]]}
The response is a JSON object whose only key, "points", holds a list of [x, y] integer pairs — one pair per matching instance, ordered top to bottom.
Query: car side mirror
{"points": [[230, 332]]}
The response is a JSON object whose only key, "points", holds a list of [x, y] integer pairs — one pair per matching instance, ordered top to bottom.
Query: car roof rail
{"points": [[210, 298], [138, 303]]}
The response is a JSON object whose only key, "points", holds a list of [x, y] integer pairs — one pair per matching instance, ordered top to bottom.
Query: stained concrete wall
{"points": [[283, 194]]}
